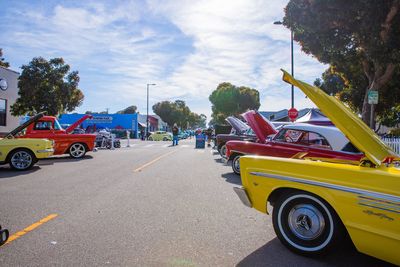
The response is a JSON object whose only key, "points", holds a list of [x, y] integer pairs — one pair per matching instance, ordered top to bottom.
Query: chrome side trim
{"points": [[386, 197]]}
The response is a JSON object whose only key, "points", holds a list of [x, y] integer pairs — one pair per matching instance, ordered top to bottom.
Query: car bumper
{"points": [[44, 153], [242, 194]]}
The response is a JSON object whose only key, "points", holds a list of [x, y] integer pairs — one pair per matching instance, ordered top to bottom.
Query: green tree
{"points": [[365, 33], [3, 63], [349, 84], [47, 86], [229, 99], [128, 110], [165, 110], [177, 112], [197, 121]]}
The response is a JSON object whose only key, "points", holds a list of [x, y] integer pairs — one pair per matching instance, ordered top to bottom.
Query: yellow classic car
{"points": [[160, 136], [22, 154], [317, 204]]}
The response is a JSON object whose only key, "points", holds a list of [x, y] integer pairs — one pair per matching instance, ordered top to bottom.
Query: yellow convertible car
{"points": [[23, 153], [319, 203]]}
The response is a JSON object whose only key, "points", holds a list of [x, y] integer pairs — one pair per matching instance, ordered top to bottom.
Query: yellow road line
{"points": [[153, 161], [31, 228]]}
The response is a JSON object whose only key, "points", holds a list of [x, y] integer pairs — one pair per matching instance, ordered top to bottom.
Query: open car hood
{"points": [[75, 124], [24, 125], [260, 125], [351, 125], [239, 126]]}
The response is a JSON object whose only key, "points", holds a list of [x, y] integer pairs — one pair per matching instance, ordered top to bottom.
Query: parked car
{"points": [[240, 131], [183, 135], [160, 136], [300, 140], [76, 145], [22, 154], [318, 205]]}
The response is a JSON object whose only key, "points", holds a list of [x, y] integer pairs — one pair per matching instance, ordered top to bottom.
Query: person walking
{"points": [[175, 132]]}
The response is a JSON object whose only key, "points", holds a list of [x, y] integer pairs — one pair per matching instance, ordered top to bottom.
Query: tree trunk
{"points": [[379, 73], [377, 79], [365, 112]]}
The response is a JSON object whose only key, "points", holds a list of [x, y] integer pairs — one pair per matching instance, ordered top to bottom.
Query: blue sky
{"points": [[186, 47]]}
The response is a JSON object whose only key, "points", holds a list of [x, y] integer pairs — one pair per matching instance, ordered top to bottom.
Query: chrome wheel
{"points": [[77, 150], [222, 151], [21, 160], [236, 164], [306, 222]]}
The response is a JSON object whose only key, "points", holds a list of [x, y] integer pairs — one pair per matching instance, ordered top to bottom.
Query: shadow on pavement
{"points": [[54, 159], [219, 160], [7, 172], [232, 178], [275, 254]]}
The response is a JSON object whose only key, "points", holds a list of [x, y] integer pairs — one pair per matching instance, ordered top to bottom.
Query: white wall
{"points": [[11, 95]]}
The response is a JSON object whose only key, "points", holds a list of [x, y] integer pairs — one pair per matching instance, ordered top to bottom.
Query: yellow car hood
{"points": [[351, 125]]}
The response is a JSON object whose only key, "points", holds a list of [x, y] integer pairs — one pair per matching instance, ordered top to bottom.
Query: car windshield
{"points": [[57, 125], [249, 132], [301, 137]]}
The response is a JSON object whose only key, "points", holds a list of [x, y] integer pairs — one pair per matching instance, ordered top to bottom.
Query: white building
{"points": [[8, 96]]}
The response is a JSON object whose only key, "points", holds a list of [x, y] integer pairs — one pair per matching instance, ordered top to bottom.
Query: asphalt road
{"points": [[147, 205]]}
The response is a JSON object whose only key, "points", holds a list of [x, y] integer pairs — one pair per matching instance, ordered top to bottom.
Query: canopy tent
{"points": [[314, 116], [141, 124]]}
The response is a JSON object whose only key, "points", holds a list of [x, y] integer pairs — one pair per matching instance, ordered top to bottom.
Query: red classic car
{"points": [[298, 140], [76, 145]]}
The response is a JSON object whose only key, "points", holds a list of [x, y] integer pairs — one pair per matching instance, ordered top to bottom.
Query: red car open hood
{"points": [[260, 125], [73, 126]]}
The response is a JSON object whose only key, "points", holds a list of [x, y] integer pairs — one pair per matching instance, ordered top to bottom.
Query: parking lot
{"points": [[149, 204]]}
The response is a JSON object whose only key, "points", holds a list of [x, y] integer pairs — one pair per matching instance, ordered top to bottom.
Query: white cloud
{"points": [[235, 41], [186, 47]]}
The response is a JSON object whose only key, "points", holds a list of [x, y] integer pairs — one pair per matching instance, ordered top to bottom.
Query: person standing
{"points": [[175, 132], [142, 134]]}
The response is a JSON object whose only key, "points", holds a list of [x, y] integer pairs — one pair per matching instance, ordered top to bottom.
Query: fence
{"points": [[394, 143]]}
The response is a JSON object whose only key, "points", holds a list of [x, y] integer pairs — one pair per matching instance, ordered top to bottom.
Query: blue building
{"points": [[105, 121]]}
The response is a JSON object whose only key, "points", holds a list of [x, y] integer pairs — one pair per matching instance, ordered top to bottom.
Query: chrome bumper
{"points": [[49, 150], [242, 194]]}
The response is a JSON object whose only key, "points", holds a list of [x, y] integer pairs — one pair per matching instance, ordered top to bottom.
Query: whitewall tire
{"points": [[306, 224]]}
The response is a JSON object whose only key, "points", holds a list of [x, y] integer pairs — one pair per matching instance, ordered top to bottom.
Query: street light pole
{"points": [[291, 46], [292, 57], [147, 116]]}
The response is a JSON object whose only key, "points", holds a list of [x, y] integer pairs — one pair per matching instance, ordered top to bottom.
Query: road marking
{"points": [[149, 145], [166, 145], [185, 145], [153, 161], [31, 228]]}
